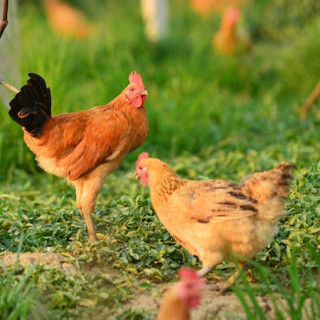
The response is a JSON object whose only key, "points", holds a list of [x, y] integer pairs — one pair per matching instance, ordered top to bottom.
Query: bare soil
{"points": [[214, 304]]}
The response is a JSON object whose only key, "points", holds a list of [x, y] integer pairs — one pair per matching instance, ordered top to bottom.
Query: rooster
{"points": [[231, 39], [85, 146], [217, 219], [181, 297]]}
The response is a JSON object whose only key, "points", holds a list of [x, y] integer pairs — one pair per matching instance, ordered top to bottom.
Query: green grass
{"points": [[210, 116]]}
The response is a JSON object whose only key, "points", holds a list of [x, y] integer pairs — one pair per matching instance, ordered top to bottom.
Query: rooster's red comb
{"points": [[135, 77], [143, 155]]}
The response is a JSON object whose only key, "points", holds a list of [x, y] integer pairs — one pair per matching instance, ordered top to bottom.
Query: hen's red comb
{"points": [[233, 13], [134, 77], [143, 155], [187, 273]]}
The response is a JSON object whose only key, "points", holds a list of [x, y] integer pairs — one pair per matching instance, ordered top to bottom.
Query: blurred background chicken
{"points": [[206, 7], [66, 20], [231, 38], [215, 218], [181, 297]]}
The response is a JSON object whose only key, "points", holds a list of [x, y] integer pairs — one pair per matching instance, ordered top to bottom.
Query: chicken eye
{"points": [[131, 89], [190, 285]]}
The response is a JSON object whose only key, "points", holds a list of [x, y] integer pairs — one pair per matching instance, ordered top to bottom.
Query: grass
{"points": [[210, 116], [294, 303]]}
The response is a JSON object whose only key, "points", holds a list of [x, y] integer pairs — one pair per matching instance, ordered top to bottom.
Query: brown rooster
{"points": [[85, 146], [210, 218], [181, 297]]}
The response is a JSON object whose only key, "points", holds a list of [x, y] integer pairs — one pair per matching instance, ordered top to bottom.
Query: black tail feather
{"points": [[31, 107]]}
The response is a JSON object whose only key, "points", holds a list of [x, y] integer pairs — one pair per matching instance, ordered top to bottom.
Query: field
{"points": [[210, 116]]}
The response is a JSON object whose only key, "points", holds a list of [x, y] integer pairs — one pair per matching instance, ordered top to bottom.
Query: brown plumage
{"points": [[85, 146], [211, 217]]}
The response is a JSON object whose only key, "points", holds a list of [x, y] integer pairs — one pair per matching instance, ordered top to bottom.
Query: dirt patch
{"points": [[31, 258], [214, 305]]}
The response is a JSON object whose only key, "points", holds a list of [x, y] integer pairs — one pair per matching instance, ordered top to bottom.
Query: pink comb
{"points": [[233, 13], [134, 77], [143, 155], [187, 273]]}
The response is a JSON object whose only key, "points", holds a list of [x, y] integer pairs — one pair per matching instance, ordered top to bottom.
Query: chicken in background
{"points": [[206, 7], [155, 15], [66, 20], [231, 38], [85, 146], [217, 219], [182, 296]]}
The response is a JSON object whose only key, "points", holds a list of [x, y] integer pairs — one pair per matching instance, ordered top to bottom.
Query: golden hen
{"points": [[85, 146], [213, 218], [181, 297]]}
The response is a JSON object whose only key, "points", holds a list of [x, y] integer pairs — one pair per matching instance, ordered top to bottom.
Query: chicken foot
{"points": [[204, 271], [222, 286]]}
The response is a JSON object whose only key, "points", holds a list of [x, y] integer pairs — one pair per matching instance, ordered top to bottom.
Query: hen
{"points": [[206, 7], [66, 20], [231, 39], [85, 146], [213, 218], [181, 297]]}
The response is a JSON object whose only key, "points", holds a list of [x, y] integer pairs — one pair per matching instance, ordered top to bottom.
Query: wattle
{"points": [[143, 98], [138, 101]]}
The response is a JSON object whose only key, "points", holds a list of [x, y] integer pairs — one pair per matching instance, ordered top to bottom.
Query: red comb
{"points": [[233, 13], [134, 77], [143, 155], [187, 273]]}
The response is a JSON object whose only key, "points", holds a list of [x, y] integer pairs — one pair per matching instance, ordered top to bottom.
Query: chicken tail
{"points": [[31, 107], [267, 185]]}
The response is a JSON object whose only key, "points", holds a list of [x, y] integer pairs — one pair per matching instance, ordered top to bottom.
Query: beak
{"points": [[144, 93], [136, 175]]}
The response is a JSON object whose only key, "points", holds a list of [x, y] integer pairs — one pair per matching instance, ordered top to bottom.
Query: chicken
{"points": [[206, 7], [67, 20], [231, 39], [85, 146], [217, 219], [181, 297]]}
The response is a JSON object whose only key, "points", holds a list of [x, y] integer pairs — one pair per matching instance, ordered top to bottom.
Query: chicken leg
{"points": [[86, 193]]}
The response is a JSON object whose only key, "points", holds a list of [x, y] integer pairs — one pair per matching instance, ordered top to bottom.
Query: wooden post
{"points": [[4, 19], [315, 94]]}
